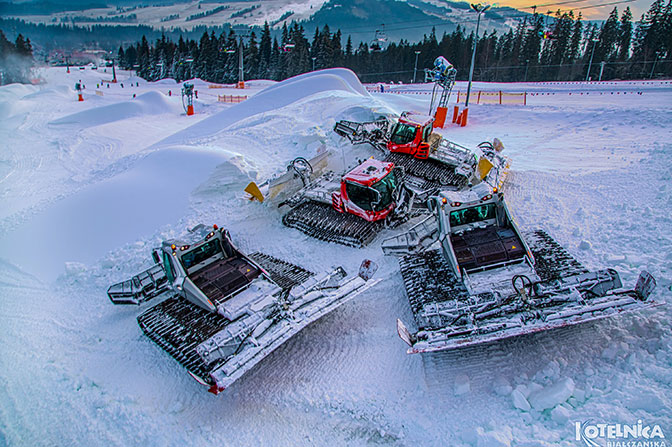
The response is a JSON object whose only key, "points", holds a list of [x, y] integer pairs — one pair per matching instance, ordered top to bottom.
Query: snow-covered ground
{"points": [[87, 188]]}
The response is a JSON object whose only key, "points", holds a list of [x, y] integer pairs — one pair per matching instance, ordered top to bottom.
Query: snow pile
{"points": [[332, 82], [150, 103], [96, 220]]}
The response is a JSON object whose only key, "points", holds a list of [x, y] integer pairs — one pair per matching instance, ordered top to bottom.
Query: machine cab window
{"points": [[403, 133], [472, 214], [200, 254], [170, 270]]}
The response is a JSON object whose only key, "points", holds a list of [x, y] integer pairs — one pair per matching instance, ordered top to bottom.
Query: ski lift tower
{"points": [[243, 33], [379, 40], [443, 76], [188, 98]]}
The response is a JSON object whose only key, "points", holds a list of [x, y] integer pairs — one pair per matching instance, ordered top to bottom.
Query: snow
{"points": [[150, 103], [83, 203], [552, 395], [519, 400]]}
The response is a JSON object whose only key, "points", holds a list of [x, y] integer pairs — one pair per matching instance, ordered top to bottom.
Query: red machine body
{"points": [[411, 134], [367, 191]]}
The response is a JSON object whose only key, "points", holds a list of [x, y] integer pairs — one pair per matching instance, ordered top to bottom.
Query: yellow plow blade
{"points": [[484, 166], [253, 190]]}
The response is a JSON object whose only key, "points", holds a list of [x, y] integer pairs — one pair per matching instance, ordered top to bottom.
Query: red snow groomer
{"points": [[430, 161], [351, 209]]}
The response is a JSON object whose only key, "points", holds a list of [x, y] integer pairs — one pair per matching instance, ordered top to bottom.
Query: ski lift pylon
{"points": [[379, 39]]}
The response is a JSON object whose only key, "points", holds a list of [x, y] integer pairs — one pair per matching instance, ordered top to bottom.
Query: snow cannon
{"points": [[443, 69], [443, 76], [78, 89], [188, 98]]}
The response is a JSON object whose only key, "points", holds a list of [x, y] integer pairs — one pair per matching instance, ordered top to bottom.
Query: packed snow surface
{"points": [[88, 188]]}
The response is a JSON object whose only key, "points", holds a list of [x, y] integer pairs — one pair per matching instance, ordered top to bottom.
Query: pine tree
{"points": [[650, 34], [625, 35], [607, 47], [574, 48], [265, 52]]}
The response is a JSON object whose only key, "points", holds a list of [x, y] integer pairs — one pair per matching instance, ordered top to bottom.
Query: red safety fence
{"points": [[500, 97], [231, 98]]}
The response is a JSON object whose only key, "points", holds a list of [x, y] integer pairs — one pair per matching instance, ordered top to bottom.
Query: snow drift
{"points": [[301, 87], [150, 103], [101, 217]]}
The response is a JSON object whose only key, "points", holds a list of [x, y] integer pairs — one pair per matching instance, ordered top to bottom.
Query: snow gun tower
{"points": [[443, 76], [78, 88], [188, 98]]}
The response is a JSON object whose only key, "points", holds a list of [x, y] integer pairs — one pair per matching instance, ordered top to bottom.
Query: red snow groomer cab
{"points": [[411, 135], [367, 191], [351, 209]]}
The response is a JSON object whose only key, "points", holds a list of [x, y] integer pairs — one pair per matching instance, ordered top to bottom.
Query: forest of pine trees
{"points": [[538, 49], [16, 60]]}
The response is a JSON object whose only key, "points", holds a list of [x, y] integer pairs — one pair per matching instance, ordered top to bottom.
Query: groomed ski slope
{"points": [[87, 189]]}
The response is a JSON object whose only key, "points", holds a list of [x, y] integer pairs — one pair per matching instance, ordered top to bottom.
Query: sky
{"points": [[586, 7]]}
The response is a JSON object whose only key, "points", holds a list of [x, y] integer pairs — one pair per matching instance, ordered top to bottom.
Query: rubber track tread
{"points": [[435, 173], [321, 221], [552, 261], [283, 273], [427, 278], [178, 326]]}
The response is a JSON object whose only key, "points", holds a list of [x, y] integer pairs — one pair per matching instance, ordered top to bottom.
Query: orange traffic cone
{"points": [[80, 97], [190, 110]]}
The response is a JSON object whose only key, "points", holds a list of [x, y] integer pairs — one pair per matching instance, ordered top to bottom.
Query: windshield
{"points": [[403, 133], [385, 187], [364, 197], [473, 214], [200, 254]]}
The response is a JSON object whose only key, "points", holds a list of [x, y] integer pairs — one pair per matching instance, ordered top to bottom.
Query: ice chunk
{"points": [[74, 268], [579, 394], [552, 395], [519, 400], [560, 414]]}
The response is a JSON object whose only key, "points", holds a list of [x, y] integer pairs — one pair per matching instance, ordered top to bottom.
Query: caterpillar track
{"points": [[433, 174], [319, 220], [178, 326]]}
